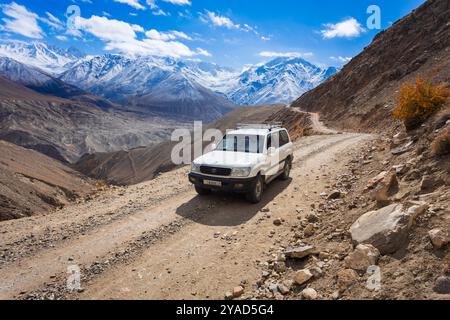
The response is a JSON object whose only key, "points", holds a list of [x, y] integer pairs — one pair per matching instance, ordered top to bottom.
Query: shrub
{"points": [[417, 102], [441, 145]]}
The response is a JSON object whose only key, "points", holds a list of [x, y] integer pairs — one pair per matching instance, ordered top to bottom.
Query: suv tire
{"points": [[286, 170], [202, 191], [255, 195]]}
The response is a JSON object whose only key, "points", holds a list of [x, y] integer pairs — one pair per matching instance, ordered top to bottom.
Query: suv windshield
{"points": [[242, 143]]}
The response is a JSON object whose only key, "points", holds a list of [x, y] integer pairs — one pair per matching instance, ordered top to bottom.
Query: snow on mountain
{"points": [[41, 55], [125, 79], [281, 80], [148, 84]]}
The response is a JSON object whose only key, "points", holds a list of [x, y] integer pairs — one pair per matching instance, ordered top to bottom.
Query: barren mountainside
{"points": [[66, 129], [32, 183]]}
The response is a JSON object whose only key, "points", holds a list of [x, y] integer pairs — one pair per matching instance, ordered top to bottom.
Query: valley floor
{"points": [[159, 240]]}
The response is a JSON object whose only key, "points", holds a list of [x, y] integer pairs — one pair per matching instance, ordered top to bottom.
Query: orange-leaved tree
{"points": [[417, 102]]}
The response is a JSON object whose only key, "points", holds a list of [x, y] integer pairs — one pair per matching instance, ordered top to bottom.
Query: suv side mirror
{"points": [[213, 147], [271, 151]]}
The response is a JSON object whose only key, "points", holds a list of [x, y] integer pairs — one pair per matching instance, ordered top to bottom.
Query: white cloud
{"points": [[179, 2], [132, 3], [152, 4], [160, 12], [21, 21], [52, 21], [219, 21], [108, 29], [346, 29], [166, 36], [125, 37], [62, 38], [264, 38], [203, 52], [272, 54], [341, 59]]}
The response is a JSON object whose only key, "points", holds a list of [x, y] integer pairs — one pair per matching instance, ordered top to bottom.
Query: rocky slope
{"points": [[363, 94], [31, 183], [380, 231]]}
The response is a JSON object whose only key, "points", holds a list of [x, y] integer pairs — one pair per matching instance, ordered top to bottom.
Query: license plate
{"points": [[212, 183]]}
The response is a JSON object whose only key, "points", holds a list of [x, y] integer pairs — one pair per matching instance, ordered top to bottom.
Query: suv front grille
{"points": [[225, 172]]}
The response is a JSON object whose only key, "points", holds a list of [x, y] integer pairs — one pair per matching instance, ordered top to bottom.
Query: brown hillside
{"points": [[32, 183]]}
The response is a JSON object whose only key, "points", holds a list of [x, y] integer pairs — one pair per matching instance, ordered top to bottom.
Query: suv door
{"points": [[273, 140], [285, 146]]}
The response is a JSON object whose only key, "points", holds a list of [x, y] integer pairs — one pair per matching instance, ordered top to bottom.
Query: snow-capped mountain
{"points": [[41, 55], [36, 79], [281, 80], [153, 82], [148, 84]]}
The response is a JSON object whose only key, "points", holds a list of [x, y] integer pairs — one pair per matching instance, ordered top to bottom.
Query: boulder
{"points": [[403, 149], [374, 181], [430, 184], [386, 188], [387, 228], [309, 230], [439, 238], [300, 252], [364, 256], [302, 276], [346, 278], [442, 285], [238, 291], [309, 294]]}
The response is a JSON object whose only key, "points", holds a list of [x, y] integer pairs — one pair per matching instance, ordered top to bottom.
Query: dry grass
{"points": [[418, 102]]}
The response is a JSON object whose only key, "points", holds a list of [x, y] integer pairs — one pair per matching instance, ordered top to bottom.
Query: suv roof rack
{"points": [[269, 126]]}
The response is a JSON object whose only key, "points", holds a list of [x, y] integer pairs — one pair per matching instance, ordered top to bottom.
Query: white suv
{"points": [[246, 160]]}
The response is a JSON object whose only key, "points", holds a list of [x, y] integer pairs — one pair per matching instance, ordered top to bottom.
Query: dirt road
{"points": [[317, 125], [159, 240]]}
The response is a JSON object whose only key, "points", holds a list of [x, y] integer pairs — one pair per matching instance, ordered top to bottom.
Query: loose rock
{"points": [[386, 229], [438, 238], [300, 252], [364, 256], [302, 276], [346, 278], [442, 285], [238, 291], [309, 294]]}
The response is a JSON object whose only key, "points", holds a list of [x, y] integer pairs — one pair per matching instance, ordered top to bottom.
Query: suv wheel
{"points": [[287, 170], [202, 191], [255, 195]]}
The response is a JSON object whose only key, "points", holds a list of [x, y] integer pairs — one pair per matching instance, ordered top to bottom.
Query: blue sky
{"points": [[229, 32]]}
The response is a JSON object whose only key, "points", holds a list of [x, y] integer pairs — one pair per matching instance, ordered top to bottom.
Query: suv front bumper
{"points": [[227, 184]]}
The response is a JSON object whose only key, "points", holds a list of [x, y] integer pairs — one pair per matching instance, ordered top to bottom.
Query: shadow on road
{"points": [[227, 209]]}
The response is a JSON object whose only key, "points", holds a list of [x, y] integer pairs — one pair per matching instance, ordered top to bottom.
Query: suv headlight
{"points": [[195, 168], [241, 172]]}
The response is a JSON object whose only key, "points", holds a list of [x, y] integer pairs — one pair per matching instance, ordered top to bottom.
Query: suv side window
{"points": [[284, 138], [273, 140]]}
